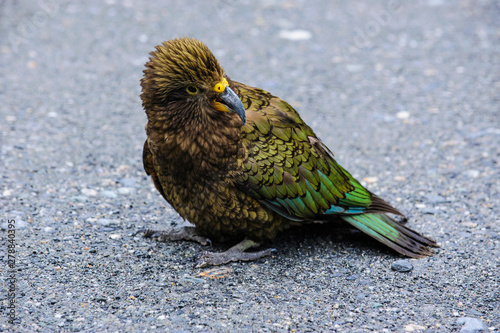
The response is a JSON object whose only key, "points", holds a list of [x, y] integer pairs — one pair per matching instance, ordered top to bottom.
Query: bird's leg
{"points": [[184, 233], [236, 253]]}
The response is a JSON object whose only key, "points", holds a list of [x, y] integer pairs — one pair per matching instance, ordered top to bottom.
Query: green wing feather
{"points": [[288, 166], [288, 169]]}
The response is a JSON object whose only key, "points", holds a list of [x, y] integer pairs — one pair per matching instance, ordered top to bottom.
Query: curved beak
{"points": [[233, 102]]}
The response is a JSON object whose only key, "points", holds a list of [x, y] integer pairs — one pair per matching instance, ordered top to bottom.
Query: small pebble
{"points": [[295, 35], [354, 68], [430, 72], [403, 115], [472, 173], [370, 180], [128, 182], [126, 190], [89, 192], [109, 194], [79, 198], [436, 199], [429, 211], [105, 222], [401, 266], [352, 277], [192, 279], [471, 325], [414, 328]]}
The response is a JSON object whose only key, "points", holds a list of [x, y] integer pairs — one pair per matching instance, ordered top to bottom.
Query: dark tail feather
{"points": [[378, 205], [396, 236]]}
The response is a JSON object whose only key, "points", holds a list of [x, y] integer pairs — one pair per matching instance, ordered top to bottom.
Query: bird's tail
{"points": [[391, 233]]}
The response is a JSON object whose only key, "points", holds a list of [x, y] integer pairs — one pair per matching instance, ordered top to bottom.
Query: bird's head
{"points": [[183, 80]]}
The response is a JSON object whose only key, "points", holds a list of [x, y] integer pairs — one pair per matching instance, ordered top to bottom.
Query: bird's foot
{"points": [[185, 233], [236, 253]]}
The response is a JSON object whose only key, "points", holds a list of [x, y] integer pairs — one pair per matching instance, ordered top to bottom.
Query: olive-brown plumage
{"points": [[239, 162]]}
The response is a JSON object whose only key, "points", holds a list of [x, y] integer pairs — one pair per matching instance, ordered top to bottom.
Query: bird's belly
{"points": [[220, 211]]}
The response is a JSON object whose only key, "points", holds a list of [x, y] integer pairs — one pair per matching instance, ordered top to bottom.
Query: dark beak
{"points": [[232, 101]]}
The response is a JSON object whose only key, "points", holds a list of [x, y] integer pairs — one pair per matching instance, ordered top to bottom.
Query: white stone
{"points": [[295, 35], [403, 115], [472, 173], [89, 192]]}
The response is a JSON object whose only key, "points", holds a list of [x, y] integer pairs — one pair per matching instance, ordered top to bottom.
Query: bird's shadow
{"points": [[338, 236]]}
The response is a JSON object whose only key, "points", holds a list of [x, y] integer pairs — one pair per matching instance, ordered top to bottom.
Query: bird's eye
{"points": [[192, 90]]}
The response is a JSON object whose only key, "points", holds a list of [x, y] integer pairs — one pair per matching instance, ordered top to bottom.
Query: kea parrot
{"points": [[240, 164]]}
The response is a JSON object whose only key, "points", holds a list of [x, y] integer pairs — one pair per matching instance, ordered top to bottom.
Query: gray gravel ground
{"points": [[405, 94]]}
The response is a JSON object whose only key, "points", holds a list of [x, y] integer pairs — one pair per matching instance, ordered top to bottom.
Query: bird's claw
{"points": [[186, 233]]}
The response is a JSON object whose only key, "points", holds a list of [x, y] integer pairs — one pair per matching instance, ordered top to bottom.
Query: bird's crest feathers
{"points": [[179, 62]]}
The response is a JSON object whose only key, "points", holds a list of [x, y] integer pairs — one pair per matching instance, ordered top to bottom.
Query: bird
{"points": [[241, 165]]}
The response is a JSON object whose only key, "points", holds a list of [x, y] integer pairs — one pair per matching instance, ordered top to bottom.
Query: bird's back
{"points": [[289, 169]]}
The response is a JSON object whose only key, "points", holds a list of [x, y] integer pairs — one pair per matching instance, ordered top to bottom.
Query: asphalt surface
{"points": [[405, 94]]}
